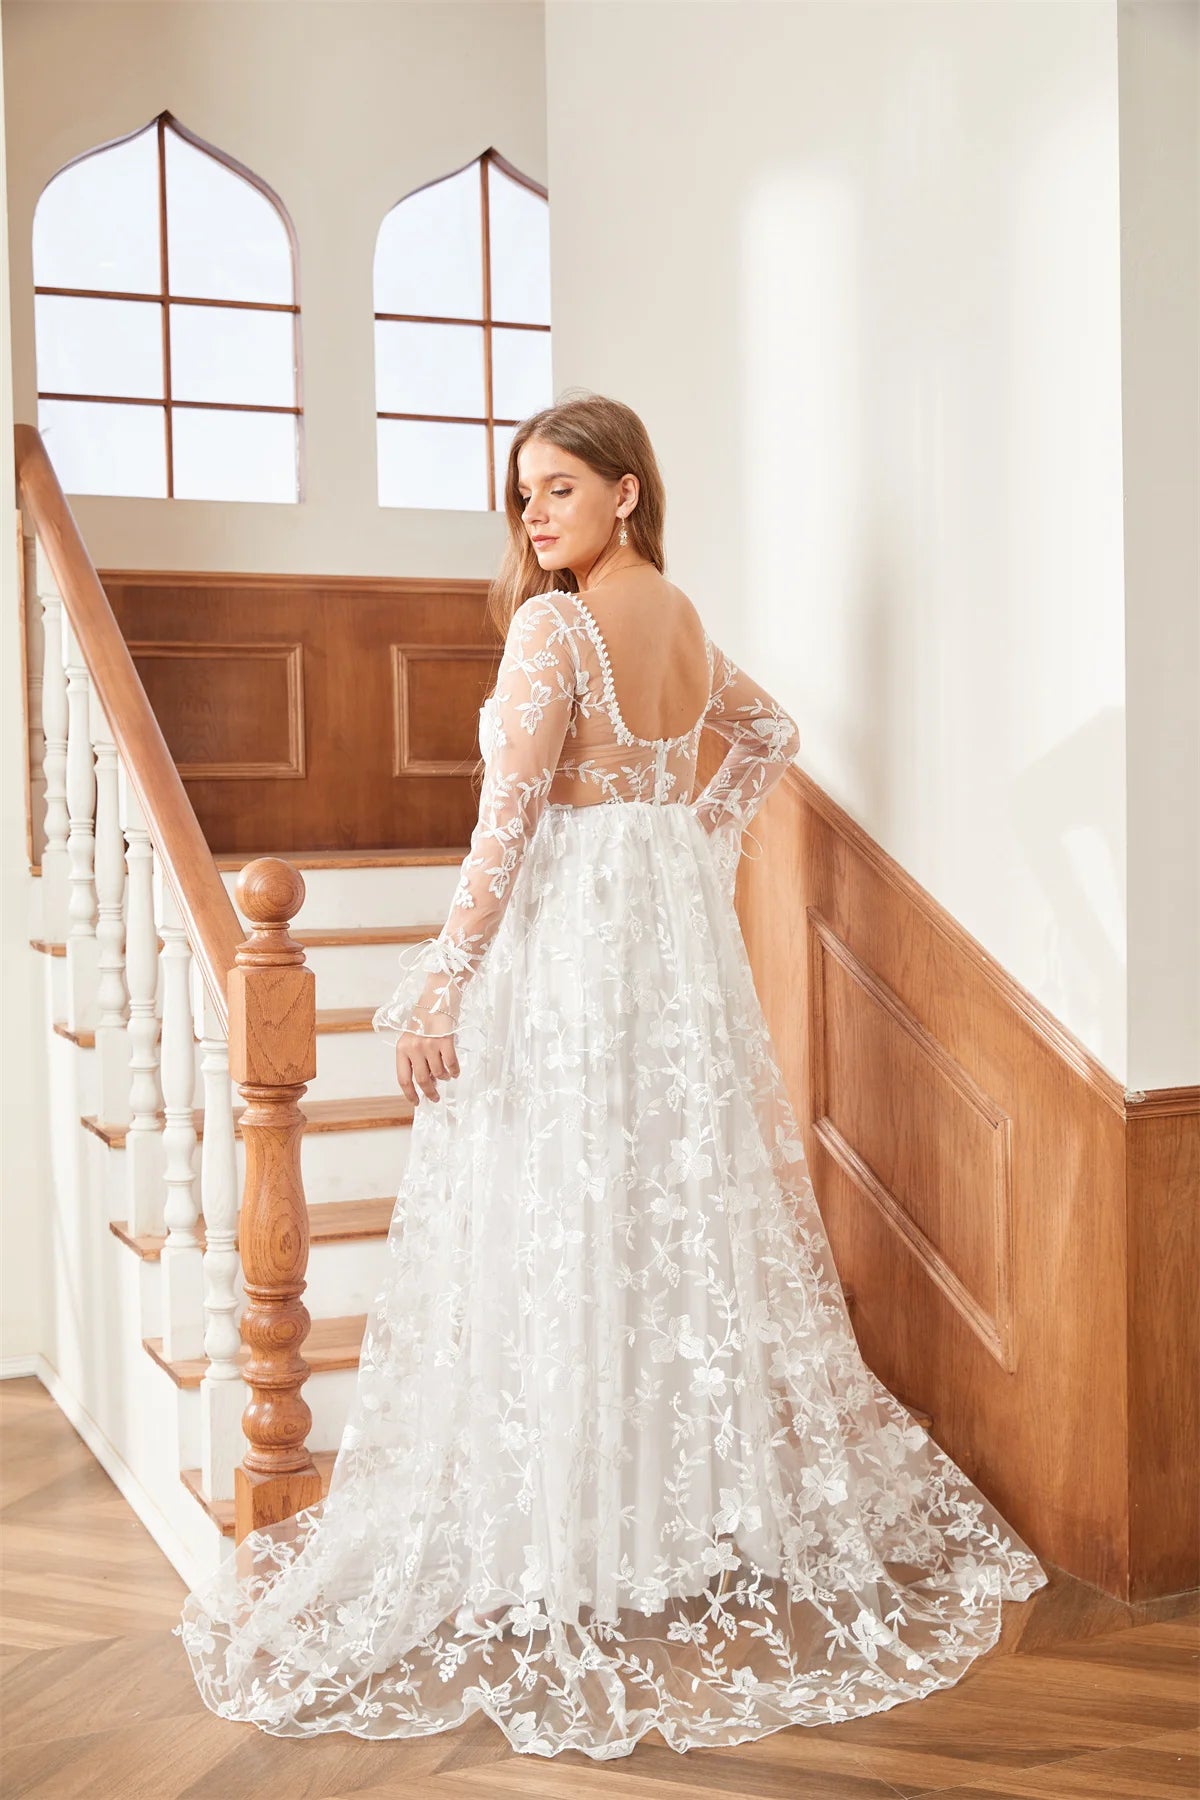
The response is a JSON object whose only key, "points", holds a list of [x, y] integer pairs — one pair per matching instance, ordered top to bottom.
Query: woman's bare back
{"points": [[656, 651]]}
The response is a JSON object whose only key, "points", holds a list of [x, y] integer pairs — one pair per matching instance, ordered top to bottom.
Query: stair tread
{"points": [[436, 854], [358, 935], [344, 1018], [330, 1019], [84, 1037], [368, 1112], [329, 1222], [330, 1344], [337, 1344], [221, 1511]]}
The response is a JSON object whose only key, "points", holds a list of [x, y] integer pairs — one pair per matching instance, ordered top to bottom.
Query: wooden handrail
{"points": [[208, 914]]}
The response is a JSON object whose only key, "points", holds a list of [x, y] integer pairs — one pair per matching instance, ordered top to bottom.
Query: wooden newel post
{"points": [[272, 1058]]}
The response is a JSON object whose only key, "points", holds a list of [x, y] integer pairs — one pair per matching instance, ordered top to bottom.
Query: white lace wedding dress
{"points": [[614, 1460]]}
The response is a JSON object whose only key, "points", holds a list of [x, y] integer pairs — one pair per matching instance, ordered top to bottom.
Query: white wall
{"points": [[343, 108], [858, 267], [1160, 294], [24, 1133]]}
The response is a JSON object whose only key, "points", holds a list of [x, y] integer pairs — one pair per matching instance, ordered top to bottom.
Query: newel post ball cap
{"points": [[270, 890]]}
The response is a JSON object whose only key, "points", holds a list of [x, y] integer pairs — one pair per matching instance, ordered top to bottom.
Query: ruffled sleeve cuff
{"points": [[428, 996]]}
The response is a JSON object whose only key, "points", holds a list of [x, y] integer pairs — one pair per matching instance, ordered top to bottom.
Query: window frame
{"points": [[166, 299], [488, 322]]}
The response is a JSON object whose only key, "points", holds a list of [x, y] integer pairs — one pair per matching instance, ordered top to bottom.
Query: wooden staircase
{"points": [[376, 888], [242, 1146], [334, 1339]]}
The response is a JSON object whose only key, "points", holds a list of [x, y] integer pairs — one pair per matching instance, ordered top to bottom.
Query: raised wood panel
{"points": [[432, 689], [232, 712], [302, 756], [919, 1139], [1023, 1241]]}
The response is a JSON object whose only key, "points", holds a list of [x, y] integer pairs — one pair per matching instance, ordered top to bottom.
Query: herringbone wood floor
{"points": [[1083, 1697]]}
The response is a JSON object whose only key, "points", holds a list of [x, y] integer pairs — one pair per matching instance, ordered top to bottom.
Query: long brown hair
{"points": [[609, 437]]}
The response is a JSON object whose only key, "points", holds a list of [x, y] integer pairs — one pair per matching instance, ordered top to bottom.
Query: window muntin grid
{"points": [[138, 247], [462, 333]]}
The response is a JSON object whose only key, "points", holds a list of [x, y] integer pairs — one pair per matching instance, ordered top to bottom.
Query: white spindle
{"points": [[34, 714], [54, 761], [82, 950], [112, 1039], [143, 1140], [182, 1270], [223, 1391]]}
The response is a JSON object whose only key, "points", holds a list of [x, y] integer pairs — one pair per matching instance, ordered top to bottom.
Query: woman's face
{"points": [[570, 512]]}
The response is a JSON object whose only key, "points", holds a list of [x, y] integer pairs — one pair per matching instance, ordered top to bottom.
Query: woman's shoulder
{"points": [[641, 579], [639, 587]]}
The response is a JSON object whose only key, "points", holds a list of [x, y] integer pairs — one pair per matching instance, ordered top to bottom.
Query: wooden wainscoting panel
{"points": [[433, 687], [232, 712], [314, 712], [916, 1135], [1025, 1261]]}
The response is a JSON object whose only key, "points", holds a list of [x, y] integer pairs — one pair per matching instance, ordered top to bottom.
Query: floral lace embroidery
{"points": [[614, 1461]]}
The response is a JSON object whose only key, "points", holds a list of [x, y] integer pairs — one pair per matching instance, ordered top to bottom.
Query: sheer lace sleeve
{"points": [[522, 727], [763, 739]]}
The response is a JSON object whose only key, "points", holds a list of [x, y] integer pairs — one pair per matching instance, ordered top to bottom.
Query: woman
{"points": [[614, 1461]]}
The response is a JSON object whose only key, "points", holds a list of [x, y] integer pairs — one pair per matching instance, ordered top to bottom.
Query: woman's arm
{"points": [[534, 693], [763, 739]]}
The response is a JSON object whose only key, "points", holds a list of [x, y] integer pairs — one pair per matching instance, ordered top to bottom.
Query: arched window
{"points": [[167, 324], [462, 333]]}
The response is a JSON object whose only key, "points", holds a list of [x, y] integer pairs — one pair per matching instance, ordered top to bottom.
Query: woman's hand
{"points": [[421, 1062]]}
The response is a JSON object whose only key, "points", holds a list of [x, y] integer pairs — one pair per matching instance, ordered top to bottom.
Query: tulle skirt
{"points": [[614, 1461]]}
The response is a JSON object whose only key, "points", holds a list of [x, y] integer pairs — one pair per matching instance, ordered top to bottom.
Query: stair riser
{"points": [[388, 896], [355, 974], [352, 1062], [348, 1063], [335, 1165], [343, 1165], [345, 1278], [149, 1284], [329, 1395]]}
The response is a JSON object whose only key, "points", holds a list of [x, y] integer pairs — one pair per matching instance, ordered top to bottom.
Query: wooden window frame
{"points": [[166, 299], [487, 322]]}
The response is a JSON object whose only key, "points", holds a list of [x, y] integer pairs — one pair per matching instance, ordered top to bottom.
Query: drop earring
{"points": [[624, 537]]}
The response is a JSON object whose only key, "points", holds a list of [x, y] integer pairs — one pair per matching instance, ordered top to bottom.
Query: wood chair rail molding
{"points": [[205, 907], [1008, 989]]}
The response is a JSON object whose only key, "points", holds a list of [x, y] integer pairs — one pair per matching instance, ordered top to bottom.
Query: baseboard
{"points": [[186, 1564]]}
